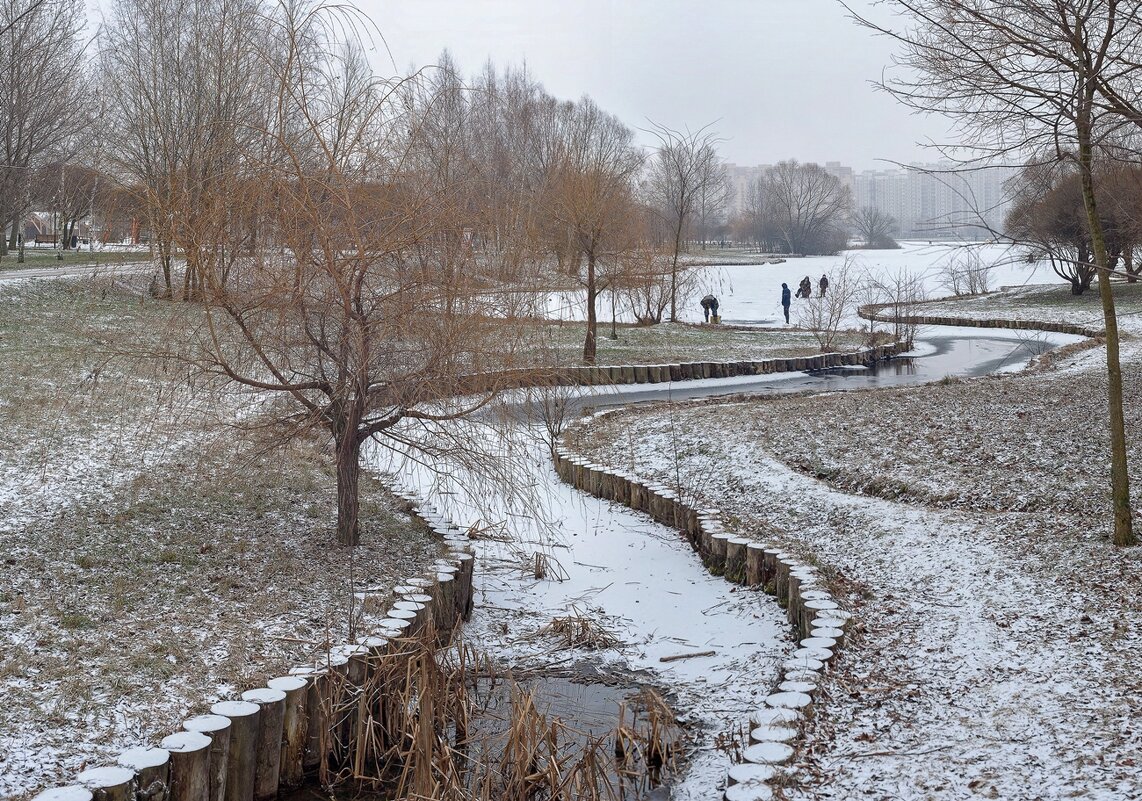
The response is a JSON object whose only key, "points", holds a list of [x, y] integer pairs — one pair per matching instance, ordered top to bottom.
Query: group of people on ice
{"points": [[804, 290]]}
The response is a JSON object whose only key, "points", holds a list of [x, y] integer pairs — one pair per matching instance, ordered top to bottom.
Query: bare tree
{"points": [[1052, 81], [43, 89], [189, 94], [683, 169], [70, 191], [710, 206], [807, 207], [875, 227], [966, 273], [899, 292], [825, 315], [343, 316]]}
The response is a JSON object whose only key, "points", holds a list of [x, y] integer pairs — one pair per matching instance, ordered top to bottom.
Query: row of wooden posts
{"points": [[885, 313], [604, 375], [818, 623], [300, 725]]}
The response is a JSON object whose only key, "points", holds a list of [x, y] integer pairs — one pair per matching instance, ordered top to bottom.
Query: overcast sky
{"points": [[778, 78]]}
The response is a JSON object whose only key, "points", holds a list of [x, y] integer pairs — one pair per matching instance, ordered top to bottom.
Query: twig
{"points": [[676, 657], [896, 753]]}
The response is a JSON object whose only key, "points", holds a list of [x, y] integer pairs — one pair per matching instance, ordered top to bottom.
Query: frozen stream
{"points": [[639, 579]]}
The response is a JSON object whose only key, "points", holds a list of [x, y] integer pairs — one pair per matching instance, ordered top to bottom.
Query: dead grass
{"points": [[155, 559], [579, 630], [431, 724]]}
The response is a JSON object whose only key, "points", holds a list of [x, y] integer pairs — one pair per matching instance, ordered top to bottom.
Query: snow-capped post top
{"points": [[287, 684], [263, 695], [235, 709], [206, 724], [186, 742], [140, 758], [106, 777], [73, 792]]}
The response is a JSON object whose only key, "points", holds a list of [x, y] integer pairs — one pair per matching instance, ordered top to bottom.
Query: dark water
{"points": [[949, 357], [589, 712]]}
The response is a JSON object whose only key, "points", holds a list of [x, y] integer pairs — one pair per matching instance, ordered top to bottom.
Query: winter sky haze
{"points": [[778, 79]]}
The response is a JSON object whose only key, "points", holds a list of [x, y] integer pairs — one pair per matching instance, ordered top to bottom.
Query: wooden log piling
{"points": [[295, 721], [217, 728], [242, 759], [152, 771], [190, 775], [111, 783]]}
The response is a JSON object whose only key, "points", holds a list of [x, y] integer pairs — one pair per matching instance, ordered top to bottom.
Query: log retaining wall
{"points": [[876, 312], [609, 375], [817, 622], [295, 728]]}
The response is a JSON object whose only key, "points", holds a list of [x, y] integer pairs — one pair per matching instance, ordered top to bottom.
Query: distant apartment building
{"points": [[741, 178], [929, 201], [938, 201]]}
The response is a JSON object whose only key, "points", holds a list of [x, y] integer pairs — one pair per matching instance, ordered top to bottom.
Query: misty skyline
{"points": [[777, 79]]}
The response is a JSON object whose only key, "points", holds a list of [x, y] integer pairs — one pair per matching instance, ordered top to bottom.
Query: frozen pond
{"points": [[751, 294]]}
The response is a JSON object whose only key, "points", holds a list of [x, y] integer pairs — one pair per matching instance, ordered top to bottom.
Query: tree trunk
{"points": [[165, 261], [1128, 264], [674, 269], [592, 321], [614, 328], [1119, 478], [348, 485]]}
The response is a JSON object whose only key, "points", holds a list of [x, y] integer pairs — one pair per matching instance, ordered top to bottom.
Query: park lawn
{"points": [[46, 257], [1047, 302], [966, 524], [155, 558]]}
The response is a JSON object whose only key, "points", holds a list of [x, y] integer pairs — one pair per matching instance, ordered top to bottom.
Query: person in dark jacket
{"points": [[823, 285], [805, 288], [785, 301], [710, 306]]}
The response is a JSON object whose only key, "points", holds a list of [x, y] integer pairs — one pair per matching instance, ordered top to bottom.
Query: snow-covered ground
{"points": [[751, 294], [965, 522], [979, 557], [151, 561]]}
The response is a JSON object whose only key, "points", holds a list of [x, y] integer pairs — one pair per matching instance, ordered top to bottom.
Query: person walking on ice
{"points": [[823, 284], [805, 288], [785, 301]]}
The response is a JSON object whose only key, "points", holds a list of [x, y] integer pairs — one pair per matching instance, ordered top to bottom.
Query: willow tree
{"points": [[1050, 80], [589, 195], [344, 316]]}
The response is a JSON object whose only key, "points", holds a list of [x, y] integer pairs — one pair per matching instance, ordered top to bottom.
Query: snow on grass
{"points": [[1047, 302], [966, 524], [153, 560]]}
